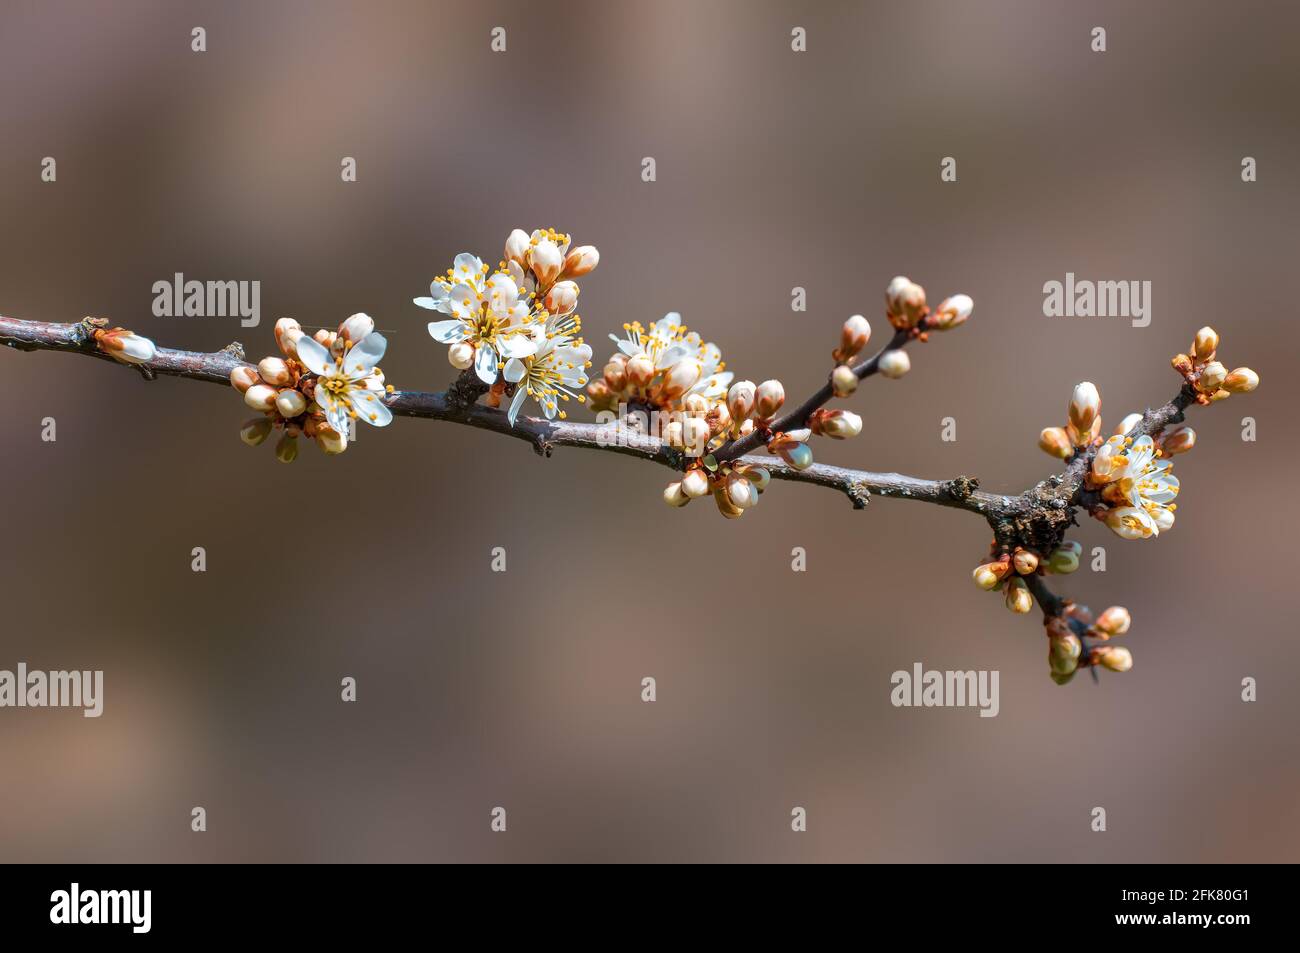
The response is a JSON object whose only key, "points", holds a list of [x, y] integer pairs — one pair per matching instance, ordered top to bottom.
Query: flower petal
{"points": [[448, 332], [313, 354], [485, 364], [514, 372], [518, 402]]}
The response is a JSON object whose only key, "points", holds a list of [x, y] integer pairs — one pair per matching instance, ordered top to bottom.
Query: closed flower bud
{"points": [[517, 245], [581, 260], [546, 261], [562, 298], [905, 302], [951, 313], [356, 327], [287, 333], [853, 338], [1206, 343], [125, 346], [461, 355], [1181, 363], [894, 364], [640, 370], [275, 371], [243, 377], [1212, 377], [680, 378], [843, 381], [1241, 381], [260, 397], [768, 399], [740, 400], [290, 403], [1085, 405], [836, 424], [1127, 424], [255, 431], [672, 433], [695, 434], [330, 440], [1177, 440], [1055, 442], [286, 450], [798, 455], [759, 476], [695, 483], [741, 492], [674, 496], [728, 509], [1063, 561], [1025, 562], [989, 575], [1018, 598], [1114, 621], [1063, 653], [1114, 657], [1062, 679]]}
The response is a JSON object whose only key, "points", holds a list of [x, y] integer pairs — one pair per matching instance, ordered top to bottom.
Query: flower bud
{"points": [[517, 245], [581, 260], [546, 261], [562, 298], [904, 302], [951, 313], [356, 327], [287, 332], [853, 338], [1206, 343], [125, 346], [461, 355], [1181, 363], [894, 364], [640, 370], [275, 371], [615, 374], [243, 377], [1212, 377], [680, 378], [843, 381], [1241, 381], [260, 397], [768, 399], [740, 400], [290, 403], [1085, 405], [836, 424], [1127, 424], [255, 431], [672, 433], [695, 434], [330, 440], [1177, 440], [1055, 442], [286, 450], [798, 455], [759, 476], [695, 483], [741, 492], [674, 496], [728, 509], [1063, 561], [1025, 562], [989, 575], [1018, 598], [1114, 621], [1063, 653], [1114, 657], [1062, 679]]}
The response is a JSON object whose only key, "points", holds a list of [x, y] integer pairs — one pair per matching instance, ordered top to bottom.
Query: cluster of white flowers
{"points": [[517, 326], [319, 385]]}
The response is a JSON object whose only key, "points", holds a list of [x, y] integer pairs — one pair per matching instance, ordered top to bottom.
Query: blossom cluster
{"points": [[517, 326], [317, 387], [1075, 641]]}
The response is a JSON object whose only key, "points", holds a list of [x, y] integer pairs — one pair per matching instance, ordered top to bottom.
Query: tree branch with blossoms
{"points": [[665, 395]]}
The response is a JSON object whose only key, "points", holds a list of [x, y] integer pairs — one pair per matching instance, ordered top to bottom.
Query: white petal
{"points": [[448, 332], [518, 345], [313, 354], [364, 355], [485, 364], [514, 372], [518, 402], [370, 409]]}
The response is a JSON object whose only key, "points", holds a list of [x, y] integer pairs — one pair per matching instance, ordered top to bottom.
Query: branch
{"points": [[543, 435]]}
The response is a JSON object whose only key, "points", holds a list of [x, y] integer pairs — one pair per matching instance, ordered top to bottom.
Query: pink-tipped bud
{"points": [[517, 245], [545, 260], [580, 261], [562, 298], [904, 302], [952, 312], [356, 327], [287, 333], [853, 338], [1205, 344], [125, 346], [461, 355], [894, 364], [640, 370], [274, 371], [243, 377], [681, 377], [1212, 377], [843, 381], [1241, 381], [260, 397], [768, 399], [740, 400], [290, 403], [1085, 406], [836, 424], [1127, 424], [254, 431], [330, 440], [1177, 440], [1055, 442], [286, 450], [798, 455], [696, 483], [741, 492], [674, 496], [1025, 562], [989, 575], [1018, 598], [1114, 621], [1114, 657]]}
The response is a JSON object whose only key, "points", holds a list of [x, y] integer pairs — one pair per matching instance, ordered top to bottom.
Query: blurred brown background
{"points": [[774, 169]]}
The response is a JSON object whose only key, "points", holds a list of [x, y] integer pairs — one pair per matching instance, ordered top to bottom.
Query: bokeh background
{"points": [[522, 689]]}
